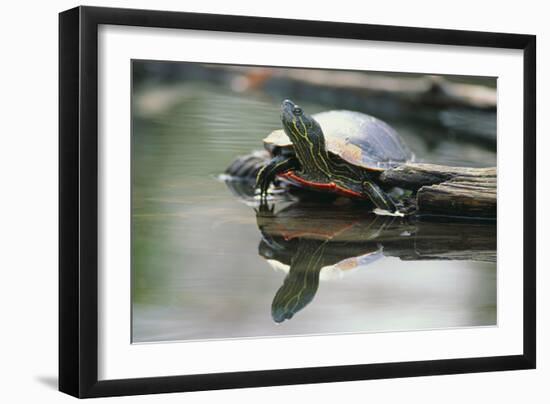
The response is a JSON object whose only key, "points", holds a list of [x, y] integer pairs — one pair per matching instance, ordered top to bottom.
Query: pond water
{"points": [[205, 266]]}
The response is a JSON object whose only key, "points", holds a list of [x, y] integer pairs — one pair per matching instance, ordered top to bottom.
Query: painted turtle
{"points": [[336, 151]]}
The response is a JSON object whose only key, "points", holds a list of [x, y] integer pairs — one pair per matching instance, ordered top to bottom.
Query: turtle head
{"points": [[300, 127]]}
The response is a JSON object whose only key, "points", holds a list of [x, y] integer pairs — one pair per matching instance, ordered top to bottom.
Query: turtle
{"points": [[337, 151]]}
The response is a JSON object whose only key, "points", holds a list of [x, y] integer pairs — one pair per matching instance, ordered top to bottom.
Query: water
{"points": [[205, 266]]}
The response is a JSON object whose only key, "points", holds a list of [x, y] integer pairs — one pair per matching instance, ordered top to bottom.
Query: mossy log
{"points": [[444, 190]]}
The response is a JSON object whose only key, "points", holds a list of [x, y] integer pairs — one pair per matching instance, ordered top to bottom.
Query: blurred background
{"points": [[449, 119], [196, 269]]}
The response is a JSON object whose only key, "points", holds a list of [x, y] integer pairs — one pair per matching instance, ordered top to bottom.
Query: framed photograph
{"points": [[252, 201]]}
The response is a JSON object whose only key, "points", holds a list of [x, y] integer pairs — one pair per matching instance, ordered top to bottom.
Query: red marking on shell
{"points": [[331, 186]]}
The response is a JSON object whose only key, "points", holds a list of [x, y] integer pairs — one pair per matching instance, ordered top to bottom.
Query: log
{"points": [[413, 89], [423, 90], [449, 191]]}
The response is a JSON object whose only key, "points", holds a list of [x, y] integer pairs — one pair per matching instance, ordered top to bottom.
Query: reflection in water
{"points": [[307, 241]]}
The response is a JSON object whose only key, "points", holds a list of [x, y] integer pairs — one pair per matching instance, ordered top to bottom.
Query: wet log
{"points": [[449, 191]]}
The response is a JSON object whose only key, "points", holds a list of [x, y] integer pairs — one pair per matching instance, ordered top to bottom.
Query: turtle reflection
{"points": [[311, 243], [309, 246]]}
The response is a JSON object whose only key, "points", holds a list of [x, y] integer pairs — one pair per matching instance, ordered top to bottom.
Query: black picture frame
{"points": [[78, 201]]}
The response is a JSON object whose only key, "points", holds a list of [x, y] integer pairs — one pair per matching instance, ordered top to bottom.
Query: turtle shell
{"points": [[358, 138]]}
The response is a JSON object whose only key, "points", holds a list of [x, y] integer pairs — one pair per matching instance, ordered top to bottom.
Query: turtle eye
{"points": [[297, 111]]}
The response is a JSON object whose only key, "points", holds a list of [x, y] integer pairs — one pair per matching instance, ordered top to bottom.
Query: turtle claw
{"points": [[268, 172], [263, 181], [379, 198], [264, 209]]}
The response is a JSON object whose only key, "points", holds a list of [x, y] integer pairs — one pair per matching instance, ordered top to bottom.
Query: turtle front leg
{"points": [[267, 174], [380, 198]]}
